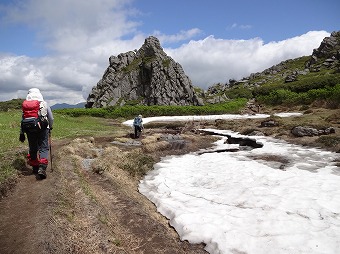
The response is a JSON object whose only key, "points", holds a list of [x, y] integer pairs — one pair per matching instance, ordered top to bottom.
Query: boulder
{"points": [[301, 131]]}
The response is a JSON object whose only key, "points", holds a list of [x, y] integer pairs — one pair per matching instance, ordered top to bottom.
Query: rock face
{"points": [[328, 54], [146, 77]]}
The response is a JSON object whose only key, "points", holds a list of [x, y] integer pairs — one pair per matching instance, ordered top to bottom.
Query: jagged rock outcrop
{"points": [[327, 54], [147, 77]]}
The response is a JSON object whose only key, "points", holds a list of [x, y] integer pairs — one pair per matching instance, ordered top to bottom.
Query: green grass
{"points": [[297, 63], [66, 126], [9, 130], [10, 147], [12, 151]]}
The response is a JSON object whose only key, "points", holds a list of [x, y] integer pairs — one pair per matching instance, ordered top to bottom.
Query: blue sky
{"points": [[62, 47]]}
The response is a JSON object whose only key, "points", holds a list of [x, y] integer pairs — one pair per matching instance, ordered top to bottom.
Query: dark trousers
{"points": [[138, 129], [38, 145]]}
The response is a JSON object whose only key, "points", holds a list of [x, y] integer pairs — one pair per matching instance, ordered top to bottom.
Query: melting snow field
{"points": [[207, 117], [240, 203]]}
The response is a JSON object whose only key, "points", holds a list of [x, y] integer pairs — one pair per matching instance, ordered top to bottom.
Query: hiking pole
{"points": [[50, 143]]}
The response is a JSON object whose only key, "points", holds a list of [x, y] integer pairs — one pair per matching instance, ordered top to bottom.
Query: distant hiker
{"points": [[37, 122], [138, 125]]}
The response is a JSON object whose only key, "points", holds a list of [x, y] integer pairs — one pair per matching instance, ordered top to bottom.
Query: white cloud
{"points": [[69, 26], [237, 26], [181, 36], [212, 60], [20, 73]]}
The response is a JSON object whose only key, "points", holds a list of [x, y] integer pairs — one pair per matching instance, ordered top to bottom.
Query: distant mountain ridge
{"points": [[65, 105]]}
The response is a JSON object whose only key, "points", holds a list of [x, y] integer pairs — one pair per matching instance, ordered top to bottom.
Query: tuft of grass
{"points": [[329, 141], [137, 163], [6, 171], [84, 185], [103, 218], [116, 242]]}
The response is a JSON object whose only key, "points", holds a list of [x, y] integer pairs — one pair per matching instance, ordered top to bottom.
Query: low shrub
{"points": [[287, 97], [12, 104], [129, 111]]}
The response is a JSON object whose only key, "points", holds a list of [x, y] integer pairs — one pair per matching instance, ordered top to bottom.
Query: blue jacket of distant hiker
{"points": [[138, 121], [138, 125]]}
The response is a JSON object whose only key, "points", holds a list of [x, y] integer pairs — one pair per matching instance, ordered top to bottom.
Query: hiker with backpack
{"points": [[37, 123], [138, 125]]}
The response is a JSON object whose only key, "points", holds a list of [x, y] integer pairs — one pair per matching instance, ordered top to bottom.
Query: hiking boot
{"points": [[35, 170], [42, 172]]}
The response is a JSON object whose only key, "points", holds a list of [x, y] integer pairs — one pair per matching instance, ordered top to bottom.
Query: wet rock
{"points": [[269, 123], [300, 131], [176, 141], [244, 142]]}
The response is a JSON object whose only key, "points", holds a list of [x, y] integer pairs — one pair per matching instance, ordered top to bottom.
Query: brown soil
{"points": [[76, 210]]}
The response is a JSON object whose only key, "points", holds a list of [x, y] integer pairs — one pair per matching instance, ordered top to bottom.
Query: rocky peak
{"points": [[328, 46], [151, 48], [327, 54], [146, 76]]}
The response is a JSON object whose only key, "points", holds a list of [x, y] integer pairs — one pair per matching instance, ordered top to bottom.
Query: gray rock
{"points": [[328, 50], [146, 77], [269, 123], [329, 130], [300, 131], [256, 133], [244, 141]]}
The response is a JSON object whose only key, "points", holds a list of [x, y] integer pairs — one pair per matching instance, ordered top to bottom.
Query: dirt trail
{"points": [[77, 211], [24, 217]]}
